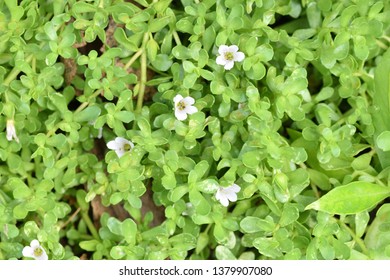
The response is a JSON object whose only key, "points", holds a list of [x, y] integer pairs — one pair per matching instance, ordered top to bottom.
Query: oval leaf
{"points": [[383, 141], [352, 198], [255, 224]]}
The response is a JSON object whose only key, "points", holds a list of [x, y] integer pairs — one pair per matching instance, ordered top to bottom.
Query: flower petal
{"points": [[222, 49], [233, 49], [239, 56], [221, 60], [229, 65], [177, 98], [188, 100], [190, 110], [180, 115], [9, 136], [121, 141], [124, 141], [112, 145], [119, 152], [235, 188], [231, 196], [224, 201], [34, 244], [28, 252], [42, 257]]}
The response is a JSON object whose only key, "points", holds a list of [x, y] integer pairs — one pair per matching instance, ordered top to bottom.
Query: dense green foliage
{"points": [[301, 126]]}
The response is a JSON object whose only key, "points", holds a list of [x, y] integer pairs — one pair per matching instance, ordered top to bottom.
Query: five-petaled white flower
{"points": [[228, 55], [183, 106], [11, 131], [120, 145], [224, 195], [35, 250]]}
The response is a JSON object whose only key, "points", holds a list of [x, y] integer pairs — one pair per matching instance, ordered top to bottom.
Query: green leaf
{"points": [[161, 5], [82, 7], [16, 10], [157, 24], [121, 37], [208, 38], [152, 49], [162, 62], [59, 101], [381, 101], [88, 114], [124, 116], [383, 141], [207, 186], [20, 189], [177, 193], [80, 196], [352, 198], [201, 205], [20, 211], [290, 214], [361, 222], [255, 224], [114, 225], [10, 231], [129, 231], [378, 233], [203, 241], [89, 245], [267, 246], [325, 248], [118, 252], [223, 253]]}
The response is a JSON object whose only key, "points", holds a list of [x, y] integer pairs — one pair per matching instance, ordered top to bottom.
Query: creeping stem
{"points": [[133, 58], [15, 72], [143, 77], [88, 222], [358, 240]]}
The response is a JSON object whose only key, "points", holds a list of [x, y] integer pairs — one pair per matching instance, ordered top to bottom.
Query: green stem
{"points": [[177, 38], [387, 38], [381, 45], [133, 58], [34, 64], [15, 72], [143, 79], [86, 103], [54, 129], [315, 190], [91, 227], [207, 228], [358, 240]]}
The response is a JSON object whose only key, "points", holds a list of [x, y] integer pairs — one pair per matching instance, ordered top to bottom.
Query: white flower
{"points": [[228, 55], [183, 106], [11, 131], [120, 145], [224, 195], [35, 250]]}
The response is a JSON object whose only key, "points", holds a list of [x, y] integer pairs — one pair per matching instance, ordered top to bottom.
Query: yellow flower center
{"points": [[229, 56], [181, 105], [127, 147], [38, 252]]}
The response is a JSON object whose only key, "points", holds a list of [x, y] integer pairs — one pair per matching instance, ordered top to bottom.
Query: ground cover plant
{"points": [[194, 129]]}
